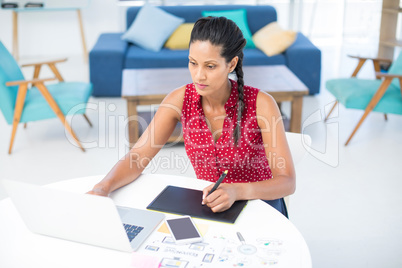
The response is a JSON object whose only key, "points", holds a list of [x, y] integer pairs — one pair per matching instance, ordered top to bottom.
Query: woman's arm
{"points": [[277, 150], [127, 169], [283, 182]]}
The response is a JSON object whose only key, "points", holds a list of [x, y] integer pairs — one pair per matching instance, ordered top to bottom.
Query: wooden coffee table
{"points": [[150, 86]]}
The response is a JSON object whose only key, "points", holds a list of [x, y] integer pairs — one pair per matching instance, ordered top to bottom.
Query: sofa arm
{"points": [[304, 60], [106, 62]]}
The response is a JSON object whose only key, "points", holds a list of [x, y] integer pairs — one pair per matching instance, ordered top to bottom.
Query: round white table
{"points": [[21, 248]]}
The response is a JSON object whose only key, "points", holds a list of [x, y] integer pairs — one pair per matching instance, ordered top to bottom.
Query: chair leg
{"points": [[52, 66], [358, 67], [37, 71], [373, 102], [19, 105], [333, 107], [58, 112], [366, 112], [386, 117], [86, 118], [14, 130], [70, 130]]}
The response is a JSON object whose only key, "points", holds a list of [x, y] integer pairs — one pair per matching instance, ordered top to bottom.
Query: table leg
{"points": [[15, 36], [84, 46], [296, 114], [133, 130]]}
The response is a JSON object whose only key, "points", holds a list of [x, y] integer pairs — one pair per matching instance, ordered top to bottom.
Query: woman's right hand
{"points": [[98, 191]]}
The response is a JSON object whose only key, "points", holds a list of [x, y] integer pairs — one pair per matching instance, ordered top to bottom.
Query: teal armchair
{"points": [[379, 95], [23, 101]]}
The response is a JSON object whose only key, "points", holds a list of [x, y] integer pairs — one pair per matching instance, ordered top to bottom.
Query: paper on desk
{"points": [[162, 246], [220, 248], [271, 251], [139, 260]]}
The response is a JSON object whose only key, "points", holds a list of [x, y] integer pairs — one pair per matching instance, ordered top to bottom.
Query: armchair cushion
{"points": [[239, 17], [152, 27], [396, 68], [9, 71], [66, 94], [356, 94]]}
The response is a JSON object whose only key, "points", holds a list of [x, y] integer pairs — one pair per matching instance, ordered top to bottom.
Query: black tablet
{"points": [[184, 201]]}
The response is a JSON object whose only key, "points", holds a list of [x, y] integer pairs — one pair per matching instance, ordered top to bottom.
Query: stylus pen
{"points": [[219, 182], [241, 238]]}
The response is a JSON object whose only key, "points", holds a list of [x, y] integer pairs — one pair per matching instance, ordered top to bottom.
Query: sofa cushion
{"points": [[261, 15], [239, 17], [152, 27], [180, 38], [272, 39], [111, 55], [254, 56], [138, 57]]}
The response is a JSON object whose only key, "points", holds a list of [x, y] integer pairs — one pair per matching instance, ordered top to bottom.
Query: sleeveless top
{"points": [[247, 162]]}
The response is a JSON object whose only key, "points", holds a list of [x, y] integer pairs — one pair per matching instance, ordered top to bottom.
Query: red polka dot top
{"points": [[247, 162]]}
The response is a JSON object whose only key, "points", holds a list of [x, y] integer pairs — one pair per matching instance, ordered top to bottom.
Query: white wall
{"points": [[57, 33]]}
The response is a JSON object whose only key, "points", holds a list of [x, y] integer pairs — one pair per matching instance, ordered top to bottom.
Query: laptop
{"points": [[83, 218]]}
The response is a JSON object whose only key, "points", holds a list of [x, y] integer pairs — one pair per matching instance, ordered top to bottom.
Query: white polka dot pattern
{"points": [[247, 162]]}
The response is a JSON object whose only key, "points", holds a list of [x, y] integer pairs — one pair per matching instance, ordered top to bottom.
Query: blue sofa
{"points": [[111, 55]]}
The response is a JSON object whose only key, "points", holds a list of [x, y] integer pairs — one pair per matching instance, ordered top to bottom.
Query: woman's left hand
{"points": [[222, 198]]}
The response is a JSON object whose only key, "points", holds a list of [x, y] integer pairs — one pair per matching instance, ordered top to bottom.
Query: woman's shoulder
{"points": [[250, 92], [178, 93], [256, 94], [175, 97], [256, 97], [264, 98], [174, 101], [266, 105]]}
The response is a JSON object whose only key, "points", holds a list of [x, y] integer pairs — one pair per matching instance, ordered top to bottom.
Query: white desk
{"points": [[21, 248]]}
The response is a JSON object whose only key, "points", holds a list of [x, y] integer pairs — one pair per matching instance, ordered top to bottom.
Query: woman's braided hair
{"points": [[220, 31]]}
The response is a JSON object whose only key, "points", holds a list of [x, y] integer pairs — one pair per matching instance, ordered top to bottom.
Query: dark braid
{"points": [[223, 32], [240, 101]]}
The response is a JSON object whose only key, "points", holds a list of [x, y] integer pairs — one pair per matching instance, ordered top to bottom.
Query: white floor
{"points": [[347, 202]]}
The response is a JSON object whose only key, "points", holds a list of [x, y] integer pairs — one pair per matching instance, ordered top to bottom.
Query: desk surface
{"points": [[21, 248]]}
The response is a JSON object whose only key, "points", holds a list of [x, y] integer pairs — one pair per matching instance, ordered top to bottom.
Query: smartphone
{"points": [[183, 230]]}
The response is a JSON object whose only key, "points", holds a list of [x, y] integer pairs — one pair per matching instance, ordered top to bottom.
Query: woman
{"points": [[226, 126]]}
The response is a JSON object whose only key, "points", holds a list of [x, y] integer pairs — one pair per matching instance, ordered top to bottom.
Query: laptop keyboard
{"points": [[132, 230]]}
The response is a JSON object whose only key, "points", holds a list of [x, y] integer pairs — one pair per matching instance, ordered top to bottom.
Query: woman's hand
{"points": [[99, 191], [222, 198]]}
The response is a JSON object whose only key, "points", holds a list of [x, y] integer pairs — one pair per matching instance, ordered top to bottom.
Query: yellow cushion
{"points": [[180, 38], [272, 39]]}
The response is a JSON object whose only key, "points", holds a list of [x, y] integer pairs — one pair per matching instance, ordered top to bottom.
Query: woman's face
{"points": [[209, 70]]}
